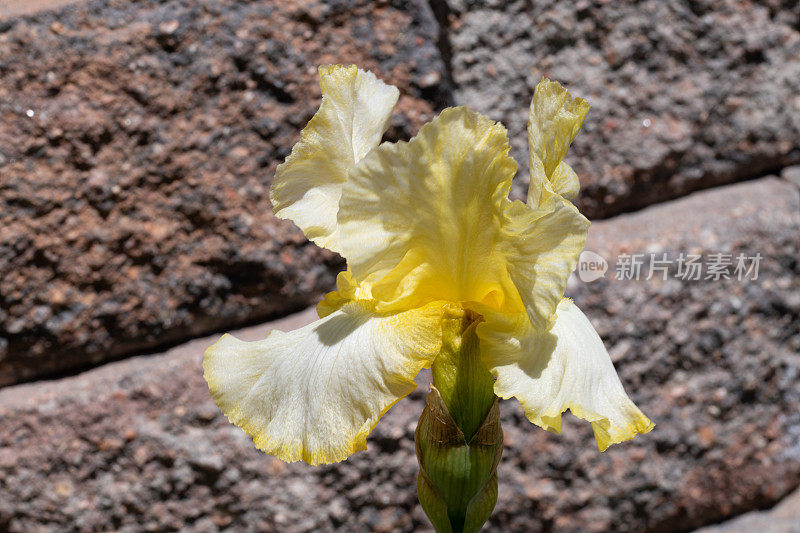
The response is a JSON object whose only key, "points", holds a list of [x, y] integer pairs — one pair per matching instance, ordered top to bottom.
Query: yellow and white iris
{"points": [[428, 232]]}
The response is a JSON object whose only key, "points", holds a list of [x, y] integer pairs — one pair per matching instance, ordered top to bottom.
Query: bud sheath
{"points": [[458, 439]]}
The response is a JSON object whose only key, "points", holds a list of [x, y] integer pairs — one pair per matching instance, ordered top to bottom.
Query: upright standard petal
{"points": [[354, 114], [554, 120], [431, 220], [420, 221], [565, 368], [314, 394]]}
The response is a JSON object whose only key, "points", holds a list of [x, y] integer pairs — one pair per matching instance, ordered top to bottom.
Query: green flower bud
{"points": [[459, 440]]}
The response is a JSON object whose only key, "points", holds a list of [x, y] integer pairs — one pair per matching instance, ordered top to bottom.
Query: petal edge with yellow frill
{"points": [[354, 114], [554, 120], [565, 368], [315, 393]]}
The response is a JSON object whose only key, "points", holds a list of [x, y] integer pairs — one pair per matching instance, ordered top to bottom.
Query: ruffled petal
{"points": [[354, 114], [554, 120], [564, 181], [431, 220], [420, 221], [541, 251], [347, 290], [565, 368], [315, 393]]}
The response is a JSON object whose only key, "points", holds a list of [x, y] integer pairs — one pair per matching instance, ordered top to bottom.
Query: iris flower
{"points": [[429, 233]]}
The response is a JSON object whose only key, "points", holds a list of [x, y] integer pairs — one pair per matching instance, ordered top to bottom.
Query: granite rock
{"points": [[685, 95], [137, 148], [138, 445], [783, 518]]}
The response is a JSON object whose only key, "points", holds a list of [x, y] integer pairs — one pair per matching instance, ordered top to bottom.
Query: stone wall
{"points": [[139, 139], [138, 142], [138, 445]]}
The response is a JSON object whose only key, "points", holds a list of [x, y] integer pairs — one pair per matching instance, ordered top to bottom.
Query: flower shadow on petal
{"points": [[338, 328], [537, 354]]}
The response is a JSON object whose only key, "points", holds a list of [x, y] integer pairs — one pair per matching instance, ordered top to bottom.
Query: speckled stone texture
{"points": [[685, 95], [138, 140], [137, 147], [138, 445], [784, 518]]}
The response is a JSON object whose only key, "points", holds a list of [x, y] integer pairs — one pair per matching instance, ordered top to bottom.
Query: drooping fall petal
{"points": [[354, 114], [554, 119], [430, 219], [565, 368], [315, 393]]}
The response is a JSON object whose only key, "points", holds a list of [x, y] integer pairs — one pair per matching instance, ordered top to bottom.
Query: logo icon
{"points": [[591, 266]]}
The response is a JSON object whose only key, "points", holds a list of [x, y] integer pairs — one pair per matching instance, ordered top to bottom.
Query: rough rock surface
{"points": [[11, 8], [685, 95], [138, 140], [137, 146], [792, 174], [716, 362], [138, 444], [784, 518]]}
